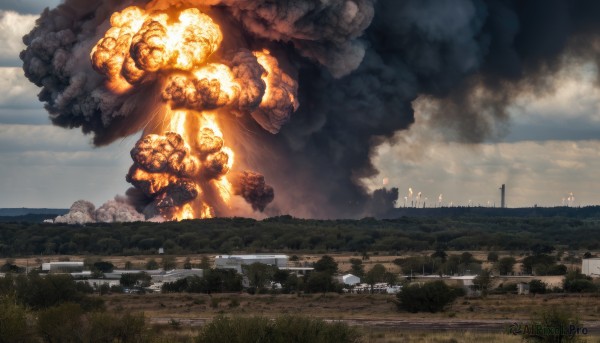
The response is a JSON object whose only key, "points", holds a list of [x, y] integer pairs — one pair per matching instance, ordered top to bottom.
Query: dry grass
{"points": [[349, 306], [397, 336]]}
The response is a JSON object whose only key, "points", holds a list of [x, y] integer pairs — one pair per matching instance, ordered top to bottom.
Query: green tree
{"points": [[440, 253], [492, 256], [168, 262], [537, 262], [204, 263], [152, 264], [187, 264], [327, 265], [505, 265], [103, 266], [357, 267], [258, 274], [375, 275], [141, 279], [320, 282], [483, 282], [576, 282], [537, 287], [432, 297], [13, 322], [63, 323]]}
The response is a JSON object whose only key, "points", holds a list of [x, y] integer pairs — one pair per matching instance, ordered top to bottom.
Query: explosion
{"points": [[215, 86], [181, 167]]}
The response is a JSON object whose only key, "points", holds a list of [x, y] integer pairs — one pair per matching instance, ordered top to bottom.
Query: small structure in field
{"points": [[237, 261], [590, 266], [62, 267], [349, 279], [522, 288]]}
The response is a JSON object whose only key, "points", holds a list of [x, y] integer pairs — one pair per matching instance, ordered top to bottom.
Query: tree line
{"points": [[287, 234]]}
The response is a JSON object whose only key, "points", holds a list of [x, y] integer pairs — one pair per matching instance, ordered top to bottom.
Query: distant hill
{"points": [[10, 212]]}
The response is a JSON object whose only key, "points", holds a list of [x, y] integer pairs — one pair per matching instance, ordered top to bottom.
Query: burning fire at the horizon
{"points": [[182, 166]]}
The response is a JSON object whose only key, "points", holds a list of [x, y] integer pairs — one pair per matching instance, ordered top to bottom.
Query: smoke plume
{"points": [[350, 69], [117, 210]]}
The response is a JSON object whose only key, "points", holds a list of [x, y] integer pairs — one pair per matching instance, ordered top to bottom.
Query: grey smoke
{"points": [[360, 64], [84, 212]]}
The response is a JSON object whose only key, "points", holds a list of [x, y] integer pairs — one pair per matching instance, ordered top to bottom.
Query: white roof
{"points": [[251, 257]]}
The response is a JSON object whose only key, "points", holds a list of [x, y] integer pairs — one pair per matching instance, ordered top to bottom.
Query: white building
{"points": [[237, 261], [590, 266], [62, 267], [298, 271], [176, 274], [349, 279]]}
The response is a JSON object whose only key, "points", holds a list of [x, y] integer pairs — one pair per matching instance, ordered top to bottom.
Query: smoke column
{"points": [[355, 67]]}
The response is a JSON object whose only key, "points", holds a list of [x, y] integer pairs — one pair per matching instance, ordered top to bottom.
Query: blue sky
{"points": [[550, 147]]}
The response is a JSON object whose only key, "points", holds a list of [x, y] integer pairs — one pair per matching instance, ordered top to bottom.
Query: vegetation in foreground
{"points": [[285, 329]]}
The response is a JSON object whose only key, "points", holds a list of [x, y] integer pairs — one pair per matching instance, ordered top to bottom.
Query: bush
{"points": [[576, 282], [537, 287], [40, 292], [431, 297], [13, 322], [63, 323], [68, 323], [553, 325], [293, 329]]}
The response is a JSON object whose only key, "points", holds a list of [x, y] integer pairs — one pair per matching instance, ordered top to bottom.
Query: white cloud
{"points": [[13, 26], [16, 91], [46, 166], [539, 173]]}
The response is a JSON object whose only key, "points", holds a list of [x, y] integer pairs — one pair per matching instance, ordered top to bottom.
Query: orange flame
{"points": [[176, 47]]}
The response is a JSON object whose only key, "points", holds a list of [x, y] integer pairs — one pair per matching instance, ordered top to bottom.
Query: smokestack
{"points": [[503, 196]]}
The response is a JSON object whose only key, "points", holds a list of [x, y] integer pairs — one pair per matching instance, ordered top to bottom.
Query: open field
{"points": [[372, 307], [467, 320]]}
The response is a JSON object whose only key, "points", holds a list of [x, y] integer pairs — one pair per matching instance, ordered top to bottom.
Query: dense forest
{"points": [[287, 234]]}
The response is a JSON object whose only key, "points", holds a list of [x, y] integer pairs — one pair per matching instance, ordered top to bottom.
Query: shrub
{"points": [[579, 283], [537, 287], [431, 297], [13, 322], [63, 323], [553, 325], [293, 329]]}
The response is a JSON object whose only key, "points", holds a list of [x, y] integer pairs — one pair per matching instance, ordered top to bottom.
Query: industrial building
{"points": [[237, 261], [591, 266], [62, 267]]}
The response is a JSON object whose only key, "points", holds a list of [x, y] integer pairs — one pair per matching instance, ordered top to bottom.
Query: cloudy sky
{"points": [[549, 148], [42, 165]]}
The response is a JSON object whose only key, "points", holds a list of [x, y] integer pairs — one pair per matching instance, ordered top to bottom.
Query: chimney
{"points": [[503, 196]]}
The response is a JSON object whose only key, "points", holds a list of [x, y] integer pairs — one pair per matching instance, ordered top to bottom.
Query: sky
{"points": [[548, 149], [42, 165]]}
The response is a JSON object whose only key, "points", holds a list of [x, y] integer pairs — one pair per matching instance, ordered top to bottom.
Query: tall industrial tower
{"points": [[503, 196]]}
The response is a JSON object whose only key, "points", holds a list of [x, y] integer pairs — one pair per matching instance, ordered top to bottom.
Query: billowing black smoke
{"points": [[359, 64]]}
